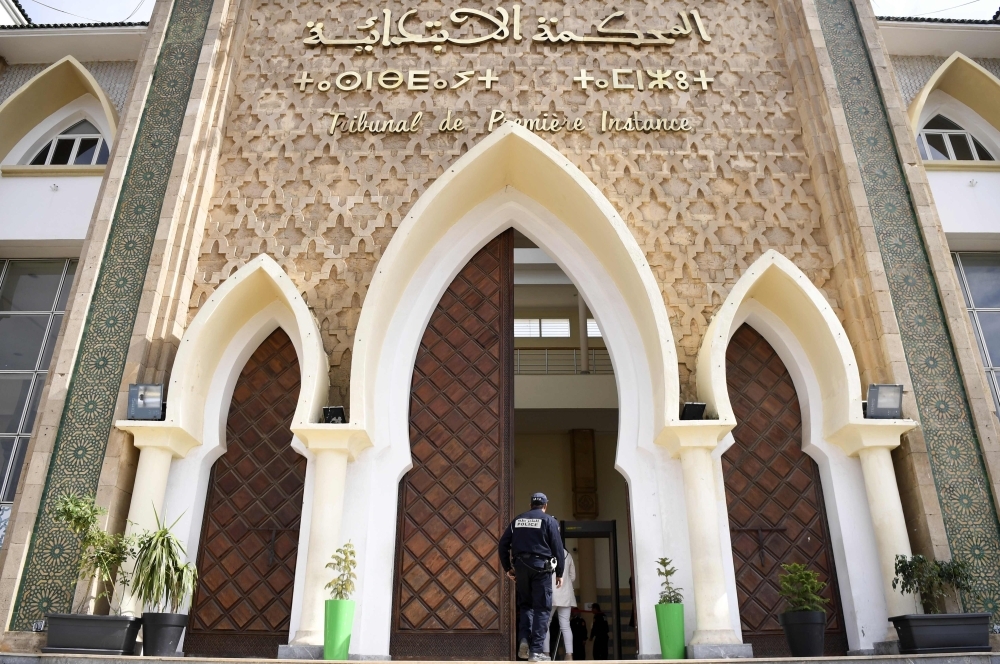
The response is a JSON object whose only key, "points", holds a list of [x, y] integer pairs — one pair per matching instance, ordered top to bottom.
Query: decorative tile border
{"points": [[946, 420], [49, 577]]}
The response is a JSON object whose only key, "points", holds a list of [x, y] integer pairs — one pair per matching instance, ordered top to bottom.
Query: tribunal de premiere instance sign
{"points": [[467, 27]]}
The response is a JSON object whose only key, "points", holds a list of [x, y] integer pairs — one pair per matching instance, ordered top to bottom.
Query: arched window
{"points": [[942, 139], [80, 145]]}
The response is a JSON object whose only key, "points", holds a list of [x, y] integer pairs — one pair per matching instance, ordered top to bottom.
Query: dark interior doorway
{"points": [[602, 530]]}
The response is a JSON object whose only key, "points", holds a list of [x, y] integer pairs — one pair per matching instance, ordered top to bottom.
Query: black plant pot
{"points": [[804, 631], [70, 633], [161, 633], [938, 633]]}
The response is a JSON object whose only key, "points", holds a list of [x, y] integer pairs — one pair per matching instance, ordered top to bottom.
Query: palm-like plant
{"points": [[160, 579]]}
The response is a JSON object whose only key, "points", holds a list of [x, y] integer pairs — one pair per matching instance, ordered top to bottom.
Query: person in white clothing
{"points": [[563, 601]]}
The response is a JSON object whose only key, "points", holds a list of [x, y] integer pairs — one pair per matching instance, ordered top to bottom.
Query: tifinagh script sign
{"points": [[471, 27]]}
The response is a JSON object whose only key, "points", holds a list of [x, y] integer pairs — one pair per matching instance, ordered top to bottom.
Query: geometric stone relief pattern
{"points": [[913, 71], [113, 77], [702, 205], [946, 421], [50, 572]]}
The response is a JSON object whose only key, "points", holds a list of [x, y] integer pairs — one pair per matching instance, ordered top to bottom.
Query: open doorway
{"points": [[565, 441]]}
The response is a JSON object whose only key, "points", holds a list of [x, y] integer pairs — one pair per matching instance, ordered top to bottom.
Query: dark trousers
{"points": [[534, 604]]}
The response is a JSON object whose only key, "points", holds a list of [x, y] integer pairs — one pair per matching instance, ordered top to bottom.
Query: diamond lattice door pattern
{"points": [[773, 492], [249, 540], [450, 600]]}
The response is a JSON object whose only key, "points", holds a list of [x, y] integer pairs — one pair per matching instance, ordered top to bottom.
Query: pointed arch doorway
{"points": [[774, 498], [248, 548], [450, 600]]}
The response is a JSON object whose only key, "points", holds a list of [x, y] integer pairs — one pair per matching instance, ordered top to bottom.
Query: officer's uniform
{"points": [[532, 545]]}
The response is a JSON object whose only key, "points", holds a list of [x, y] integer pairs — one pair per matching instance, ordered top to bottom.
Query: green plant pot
{"points": [[670, 624], [337, 628]]}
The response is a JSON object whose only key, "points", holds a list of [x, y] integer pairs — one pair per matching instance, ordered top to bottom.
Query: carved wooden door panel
{"points": [[774, 497], [250, 534], [450, 600]]}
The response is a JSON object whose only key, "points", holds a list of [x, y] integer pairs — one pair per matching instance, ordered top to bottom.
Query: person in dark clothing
{"points": [[530, 550], [579, 627], [599, 633]]}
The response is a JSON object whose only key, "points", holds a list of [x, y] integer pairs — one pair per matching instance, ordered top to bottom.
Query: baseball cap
{"points": [[539, 499]]}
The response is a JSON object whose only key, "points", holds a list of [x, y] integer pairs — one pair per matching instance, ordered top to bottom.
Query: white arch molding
{"points": [[511, 179], [776, 299]]}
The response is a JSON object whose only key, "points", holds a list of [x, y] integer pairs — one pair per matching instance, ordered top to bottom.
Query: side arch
{"points": [[968, 82], [50, 90]]}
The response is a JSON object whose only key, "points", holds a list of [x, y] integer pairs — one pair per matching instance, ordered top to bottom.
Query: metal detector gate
{"points": [[601, 530]]}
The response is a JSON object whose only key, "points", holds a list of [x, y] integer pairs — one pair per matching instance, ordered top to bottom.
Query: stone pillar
{"points": [[584, 349], [872, 441], [158, 443], [692, 443], [332, 447]]}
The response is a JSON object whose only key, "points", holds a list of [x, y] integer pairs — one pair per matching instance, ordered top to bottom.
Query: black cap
{"points": [[539, 499]]}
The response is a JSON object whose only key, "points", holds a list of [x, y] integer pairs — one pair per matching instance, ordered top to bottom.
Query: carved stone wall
{"points": [[703, 204]]}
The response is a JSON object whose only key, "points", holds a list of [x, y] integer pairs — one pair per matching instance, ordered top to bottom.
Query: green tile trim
{"points": [[956, 459], [50, 572]]}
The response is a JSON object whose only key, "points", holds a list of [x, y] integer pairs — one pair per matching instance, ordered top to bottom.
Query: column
{"points": [[584, 350], [872, 442], [693, 443], [332, 446]]}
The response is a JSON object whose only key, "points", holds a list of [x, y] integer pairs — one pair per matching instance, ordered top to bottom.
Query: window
{"points": [[942, 139], [80, 145], [979, 276], [33, 296], [544, 327], [592, 329]]}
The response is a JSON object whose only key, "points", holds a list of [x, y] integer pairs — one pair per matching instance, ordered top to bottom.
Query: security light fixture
{"points": [[145, 402], [885, 402], [693, 410], [334, 415]]}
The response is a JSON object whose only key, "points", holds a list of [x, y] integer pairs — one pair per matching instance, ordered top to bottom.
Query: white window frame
{"points": [[76, 138]]}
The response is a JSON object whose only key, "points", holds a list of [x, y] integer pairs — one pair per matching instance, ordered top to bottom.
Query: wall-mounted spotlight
{"points": [[145, 402], [885, 402], [692, 410], [334, 415]]}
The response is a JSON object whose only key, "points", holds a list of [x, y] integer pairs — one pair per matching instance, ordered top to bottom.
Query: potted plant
{"points": [[101, 558], [162, 580], [339, 610], [670, 613], [804, 622], [933, 631]]}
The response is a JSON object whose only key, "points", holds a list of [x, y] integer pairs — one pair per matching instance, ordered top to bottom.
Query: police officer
{"points": [[530, 550]]}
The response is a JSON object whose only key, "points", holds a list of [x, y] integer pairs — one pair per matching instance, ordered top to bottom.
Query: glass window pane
{"points": [[941, 122], [82, 127], [935, 143], [960, 146], [920, 147], [982, 152], [85, 153], [102, 154], [42, 155], [61, 155], [982, 271], [961, 279], [30, 285], [67, 285], [989, 321], [526, 327], [555, 327], [593, 330], [979, 339], [22, 340], [50, 342], [14, 390], [36, 396], [15, 470], [4, 520]]}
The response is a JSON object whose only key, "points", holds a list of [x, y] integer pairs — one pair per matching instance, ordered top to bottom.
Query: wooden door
{"points": [[774, 496], [250, 534], [450, 599]]}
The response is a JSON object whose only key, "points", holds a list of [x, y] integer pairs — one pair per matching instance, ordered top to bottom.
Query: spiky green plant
{"points": [[101, 554], [343, 563], [161, 579], [801, 587], [669, 594]]}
